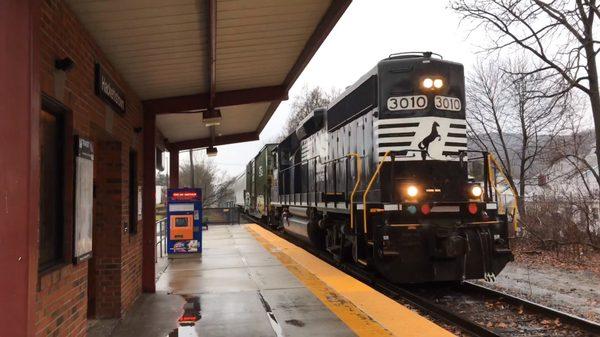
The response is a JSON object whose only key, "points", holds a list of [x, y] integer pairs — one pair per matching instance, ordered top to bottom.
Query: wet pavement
{"points": [[236, 288]]}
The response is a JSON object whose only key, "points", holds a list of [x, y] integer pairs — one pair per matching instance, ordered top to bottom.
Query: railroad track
{"points": [[475, 309]]}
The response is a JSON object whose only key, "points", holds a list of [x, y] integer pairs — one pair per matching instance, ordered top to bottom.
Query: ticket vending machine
{"points": [[184, 221]]}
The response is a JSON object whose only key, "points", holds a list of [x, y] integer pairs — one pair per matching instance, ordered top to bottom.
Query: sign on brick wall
{"points": [[108, 90], [84, 187]]}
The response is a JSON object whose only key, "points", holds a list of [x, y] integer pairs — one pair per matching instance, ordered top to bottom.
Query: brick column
{"points": [[19, 164], [173, 168], [149, 204]]}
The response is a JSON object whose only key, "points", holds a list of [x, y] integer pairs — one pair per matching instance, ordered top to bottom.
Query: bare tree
{"points": [[559, 34], [303, 104], [505, 117], [573, 149], [216, 189], [566, 209], [557, 219]]}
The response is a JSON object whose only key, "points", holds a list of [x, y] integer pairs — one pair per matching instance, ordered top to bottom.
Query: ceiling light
{"points": [[211, 117], [211, 151]]}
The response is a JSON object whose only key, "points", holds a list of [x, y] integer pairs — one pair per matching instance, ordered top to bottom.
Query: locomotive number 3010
{"points": [[407, 103], [447, 103]]}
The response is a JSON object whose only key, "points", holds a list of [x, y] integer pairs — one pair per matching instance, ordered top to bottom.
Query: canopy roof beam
{"points": [[331, 17], [200, 102], [218, 140]]}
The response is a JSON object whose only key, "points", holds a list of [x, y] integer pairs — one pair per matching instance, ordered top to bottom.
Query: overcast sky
{"points": [[369, 31]]}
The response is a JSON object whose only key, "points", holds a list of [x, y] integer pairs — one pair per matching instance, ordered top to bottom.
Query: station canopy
{"points": [[193, 60]]}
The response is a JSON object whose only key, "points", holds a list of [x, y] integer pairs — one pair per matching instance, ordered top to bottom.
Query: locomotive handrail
{"points": [[427, 54], [400, 154], [337, 159], [300, 163], [358, 174], [375, 174], [515, 207]]}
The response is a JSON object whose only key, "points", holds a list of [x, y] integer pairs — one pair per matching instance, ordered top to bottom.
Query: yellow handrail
{"points": [[387, 153], [358, 173], [515, 208]]}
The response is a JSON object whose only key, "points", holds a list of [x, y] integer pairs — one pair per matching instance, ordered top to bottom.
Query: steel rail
{"points": [[404, 296], [565, 317]]}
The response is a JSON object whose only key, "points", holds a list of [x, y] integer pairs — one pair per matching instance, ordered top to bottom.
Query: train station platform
{"points": [[249, 282]]}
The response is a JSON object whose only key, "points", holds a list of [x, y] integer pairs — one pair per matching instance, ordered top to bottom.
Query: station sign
{"points": [[108, 90]]}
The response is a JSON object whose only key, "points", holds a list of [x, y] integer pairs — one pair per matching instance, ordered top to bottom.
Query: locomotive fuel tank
{"points": [[302, 224]]}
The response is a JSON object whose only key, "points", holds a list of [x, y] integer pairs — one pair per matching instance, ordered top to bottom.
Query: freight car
{"points": [[383, 177], [258, 183]]}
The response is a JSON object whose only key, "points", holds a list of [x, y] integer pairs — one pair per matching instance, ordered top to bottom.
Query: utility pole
{"points": [[192, 168]]}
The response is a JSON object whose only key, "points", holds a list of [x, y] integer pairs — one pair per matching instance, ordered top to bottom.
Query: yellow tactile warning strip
{"points": [[363, 309], [355, 319]]}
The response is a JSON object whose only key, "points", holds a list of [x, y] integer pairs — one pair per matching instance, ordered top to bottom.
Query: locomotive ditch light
{"points": [[412, 191], [475, 191]]}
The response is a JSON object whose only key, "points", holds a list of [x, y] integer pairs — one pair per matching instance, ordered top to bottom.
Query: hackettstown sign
{"points": [[108, 90]]}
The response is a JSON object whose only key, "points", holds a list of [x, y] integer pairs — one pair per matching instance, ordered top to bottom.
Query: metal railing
{"points": [[220, 216], [161, 227]]}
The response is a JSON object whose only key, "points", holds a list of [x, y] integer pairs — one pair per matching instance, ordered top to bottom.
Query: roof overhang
{"points": [[183, 57]]}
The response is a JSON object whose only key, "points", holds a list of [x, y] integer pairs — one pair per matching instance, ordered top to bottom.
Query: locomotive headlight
{"points": [[428, 83], [438, 83], [412, 191], [476, 191]]}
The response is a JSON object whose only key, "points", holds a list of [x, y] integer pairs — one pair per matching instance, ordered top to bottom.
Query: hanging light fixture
{"points": [[211, 117], [211, 151]]}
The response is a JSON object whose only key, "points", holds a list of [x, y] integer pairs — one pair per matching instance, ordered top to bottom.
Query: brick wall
{"points": [[104, 281], [62, 294], [61, 302]]}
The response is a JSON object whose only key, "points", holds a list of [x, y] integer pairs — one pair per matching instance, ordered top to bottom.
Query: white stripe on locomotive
{"points": [[409, 133]]}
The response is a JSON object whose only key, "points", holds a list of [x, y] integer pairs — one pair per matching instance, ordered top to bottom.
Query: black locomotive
{"points": [[383, 177]]}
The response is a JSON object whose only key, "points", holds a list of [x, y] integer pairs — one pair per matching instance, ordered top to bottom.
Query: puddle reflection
{"points": [[187, 321], [184, 331]]}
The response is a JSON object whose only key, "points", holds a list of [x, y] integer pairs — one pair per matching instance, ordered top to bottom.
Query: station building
{"points": [[90, 93]]}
